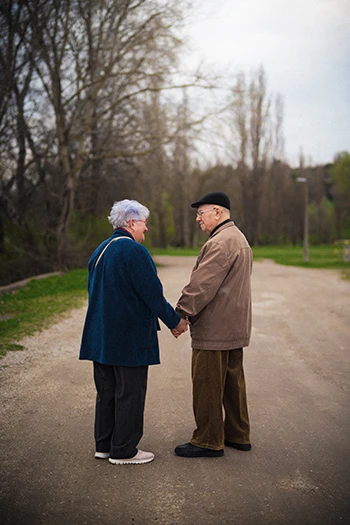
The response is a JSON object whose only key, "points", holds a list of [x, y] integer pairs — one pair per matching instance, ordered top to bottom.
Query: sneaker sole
{"points": [[101, 455], [130, 461]]}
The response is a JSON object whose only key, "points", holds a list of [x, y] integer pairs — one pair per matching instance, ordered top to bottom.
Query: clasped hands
{"points": [[180, 328]]}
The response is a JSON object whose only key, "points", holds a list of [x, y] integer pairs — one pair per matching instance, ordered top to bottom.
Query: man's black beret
{"points": [[214, 197]]}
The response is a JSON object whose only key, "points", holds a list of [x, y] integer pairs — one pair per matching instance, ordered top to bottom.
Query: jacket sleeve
{"points": [[143, 274], [207, 276]]}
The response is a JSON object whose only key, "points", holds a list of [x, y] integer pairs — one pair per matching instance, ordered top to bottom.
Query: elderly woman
{"points": [[120, 332]]}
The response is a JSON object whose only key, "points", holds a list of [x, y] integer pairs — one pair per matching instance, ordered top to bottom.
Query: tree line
{"points": [[94, 108]]}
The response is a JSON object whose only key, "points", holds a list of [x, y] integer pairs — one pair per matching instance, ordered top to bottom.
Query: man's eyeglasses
{"points": [[200, 213]]}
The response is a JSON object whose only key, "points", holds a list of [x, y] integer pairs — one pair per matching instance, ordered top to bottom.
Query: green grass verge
{"points": [[324, 256], [38, 305]]}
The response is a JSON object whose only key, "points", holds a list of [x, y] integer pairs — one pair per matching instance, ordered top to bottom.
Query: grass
{"points": [[324, 256], [41, 303], [38, 305]]}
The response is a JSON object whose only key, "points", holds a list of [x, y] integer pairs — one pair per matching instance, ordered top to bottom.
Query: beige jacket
{"points": [[218, 297]]}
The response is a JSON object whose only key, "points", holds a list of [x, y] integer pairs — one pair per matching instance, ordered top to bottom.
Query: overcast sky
{"points": [[304, 46]]}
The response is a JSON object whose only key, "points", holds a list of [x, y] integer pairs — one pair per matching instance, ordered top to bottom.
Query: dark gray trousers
{"points": [[120, 404]]}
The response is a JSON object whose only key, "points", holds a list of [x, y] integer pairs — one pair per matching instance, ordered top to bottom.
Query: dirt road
{"points": [[297, 371]]}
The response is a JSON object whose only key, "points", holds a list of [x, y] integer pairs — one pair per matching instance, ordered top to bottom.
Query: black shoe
{"points": [[239, 446], [191, 451]]}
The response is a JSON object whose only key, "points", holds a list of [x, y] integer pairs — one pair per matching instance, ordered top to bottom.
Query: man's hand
{"points": [[180, 328]]}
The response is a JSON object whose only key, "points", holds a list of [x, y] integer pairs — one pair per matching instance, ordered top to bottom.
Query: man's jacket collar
{"points": [[220, 225]]}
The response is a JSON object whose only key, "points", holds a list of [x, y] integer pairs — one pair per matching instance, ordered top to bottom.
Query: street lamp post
{"points": [[306, 217]]}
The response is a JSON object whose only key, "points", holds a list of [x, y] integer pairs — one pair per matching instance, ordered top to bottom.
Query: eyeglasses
{"points": [[200, 213], [141, 220]]}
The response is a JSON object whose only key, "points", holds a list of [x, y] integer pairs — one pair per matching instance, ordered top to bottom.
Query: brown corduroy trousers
{"points": [[218, 383]]}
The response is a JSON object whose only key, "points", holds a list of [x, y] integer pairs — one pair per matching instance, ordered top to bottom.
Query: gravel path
{"points": [[297, 369]]}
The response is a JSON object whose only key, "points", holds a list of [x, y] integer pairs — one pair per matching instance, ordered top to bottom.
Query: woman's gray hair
{"points": [[123, 211]]}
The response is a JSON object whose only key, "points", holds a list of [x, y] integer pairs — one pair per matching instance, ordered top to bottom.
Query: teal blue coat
{"points": [[125, 301]]}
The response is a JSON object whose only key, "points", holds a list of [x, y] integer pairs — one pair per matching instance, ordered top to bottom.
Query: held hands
{"points": [[180, 328]]}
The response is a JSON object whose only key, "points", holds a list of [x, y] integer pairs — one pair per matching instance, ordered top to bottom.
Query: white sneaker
{"points": [[101, 455], [141, 457]]}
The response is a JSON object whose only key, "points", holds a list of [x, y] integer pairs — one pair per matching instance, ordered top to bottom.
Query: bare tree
{"points": [[93, 61], [16, 70], [257, 139], [154, 164], [181, 167]]}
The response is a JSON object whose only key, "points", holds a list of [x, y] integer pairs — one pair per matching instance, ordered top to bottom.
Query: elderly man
{"points": [[217, 301], [120, 332]]}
